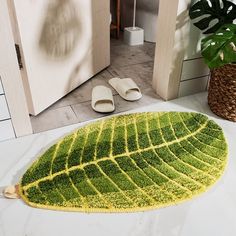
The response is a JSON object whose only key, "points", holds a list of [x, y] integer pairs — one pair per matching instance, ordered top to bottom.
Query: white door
{"points": [[63, 43]]}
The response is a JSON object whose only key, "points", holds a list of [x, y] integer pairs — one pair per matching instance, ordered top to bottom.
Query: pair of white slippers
{"points": [[102, 98]]}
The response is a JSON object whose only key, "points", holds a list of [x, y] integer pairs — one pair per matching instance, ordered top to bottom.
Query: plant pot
{"points": [[222, 92]]}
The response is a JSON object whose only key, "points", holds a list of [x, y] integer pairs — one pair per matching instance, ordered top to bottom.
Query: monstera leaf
{"points": [[212, 14], [220, 48], [128, 163]]}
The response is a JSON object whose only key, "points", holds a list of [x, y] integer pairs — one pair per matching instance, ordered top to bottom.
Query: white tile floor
{"points": [[134, 62], [211, 214]]}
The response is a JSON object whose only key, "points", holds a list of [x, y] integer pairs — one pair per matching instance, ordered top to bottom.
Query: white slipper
{"points": [[126, 88], [102, 100]]}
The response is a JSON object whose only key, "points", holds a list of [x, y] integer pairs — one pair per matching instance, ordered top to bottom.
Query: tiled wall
{"points": [[6, 128]]}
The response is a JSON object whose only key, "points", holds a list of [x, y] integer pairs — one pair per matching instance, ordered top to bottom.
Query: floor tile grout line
{"points": [[128, 65], [74, 113]]}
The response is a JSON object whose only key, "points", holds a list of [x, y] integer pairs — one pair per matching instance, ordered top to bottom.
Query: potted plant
{"points": [[216, 18]]}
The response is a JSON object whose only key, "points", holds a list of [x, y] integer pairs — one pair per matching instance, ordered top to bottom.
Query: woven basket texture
{"points": [[222, 92]]}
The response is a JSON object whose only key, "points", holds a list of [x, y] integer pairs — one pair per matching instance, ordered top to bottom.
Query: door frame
{"points": [[168, 61], [11, 76]]}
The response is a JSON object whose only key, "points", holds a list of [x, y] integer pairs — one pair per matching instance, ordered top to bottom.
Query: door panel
{"points": [[63, 43]]}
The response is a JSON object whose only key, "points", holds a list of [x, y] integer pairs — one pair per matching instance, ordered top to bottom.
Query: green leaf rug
{"points": [[128, 163]]}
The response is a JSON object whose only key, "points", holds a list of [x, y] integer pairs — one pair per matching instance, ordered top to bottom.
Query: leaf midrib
{"points": [[81, 166]]}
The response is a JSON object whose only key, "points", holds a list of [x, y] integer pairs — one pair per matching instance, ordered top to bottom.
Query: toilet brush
{"points": [[134, 14], [134, 35]]}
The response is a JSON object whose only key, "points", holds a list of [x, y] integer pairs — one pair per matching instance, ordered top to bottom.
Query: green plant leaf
{"points": [[211, 14], [220, 48], [128, 163]]}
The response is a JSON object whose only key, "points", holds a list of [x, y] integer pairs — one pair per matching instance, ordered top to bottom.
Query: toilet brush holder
{"points": [[133, 36]]}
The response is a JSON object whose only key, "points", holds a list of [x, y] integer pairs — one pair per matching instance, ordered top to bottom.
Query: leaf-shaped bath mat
{"points": [[128, 163]]}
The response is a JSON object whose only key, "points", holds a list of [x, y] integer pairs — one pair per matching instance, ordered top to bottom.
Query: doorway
{"points": [[126, 61], [136, 62]]}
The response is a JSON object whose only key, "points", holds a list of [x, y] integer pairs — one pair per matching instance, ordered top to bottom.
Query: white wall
{"points": [[193, 72]]}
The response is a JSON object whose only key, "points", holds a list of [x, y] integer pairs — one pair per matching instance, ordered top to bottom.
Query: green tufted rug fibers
{"points": [[128, 163]]}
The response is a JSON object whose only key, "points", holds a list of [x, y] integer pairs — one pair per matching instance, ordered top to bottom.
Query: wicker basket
{"points": [[222, 92]]}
